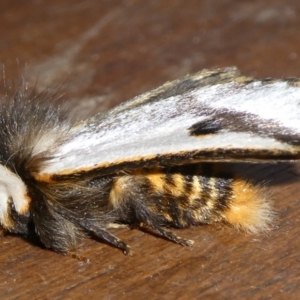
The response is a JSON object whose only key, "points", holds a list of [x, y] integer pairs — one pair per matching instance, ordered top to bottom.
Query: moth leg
{"points": [[97, 231], [170, 235], [111, 239]]}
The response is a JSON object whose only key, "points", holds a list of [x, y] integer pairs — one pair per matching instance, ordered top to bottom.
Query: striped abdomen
{"points": [[181, 197]]}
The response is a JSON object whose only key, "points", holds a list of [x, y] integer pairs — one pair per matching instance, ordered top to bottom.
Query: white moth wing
{"points": [[209, 116]]}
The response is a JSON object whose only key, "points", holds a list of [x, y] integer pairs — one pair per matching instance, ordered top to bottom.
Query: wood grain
{"points": [[100, 53]]}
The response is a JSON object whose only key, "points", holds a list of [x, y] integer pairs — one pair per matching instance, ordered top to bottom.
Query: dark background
{"points": [[100, 53]]}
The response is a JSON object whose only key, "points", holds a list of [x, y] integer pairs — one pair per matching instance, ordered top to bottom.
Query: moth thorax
{"points": [[13, 195]]}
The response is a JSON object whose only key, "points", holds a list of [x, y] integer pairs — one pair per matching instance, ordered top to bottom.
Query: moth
{"points": [[151, 161]]}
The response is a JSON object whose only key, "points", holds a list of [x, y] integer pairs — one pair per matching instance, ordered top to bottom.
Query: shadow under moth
{"points": [[146, 162]]}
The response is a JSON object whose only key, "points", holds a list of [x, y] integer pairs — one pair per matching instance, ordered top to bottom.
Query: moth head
{"points": [[14, 202]]}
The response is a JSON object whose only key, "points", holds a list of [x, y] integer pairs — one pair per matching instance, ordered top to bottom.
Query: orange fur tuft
{"points": [[117, 191], [249, 209]]}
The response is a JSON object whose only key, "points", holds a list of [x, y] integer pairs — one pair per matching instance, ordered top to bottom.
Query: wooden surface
{"points": [[104, 52]]}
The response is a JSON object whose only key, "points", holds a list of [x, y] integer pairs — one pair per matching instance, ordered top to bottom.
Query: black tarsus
{"points": [[170, 235], [110, 238]]}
